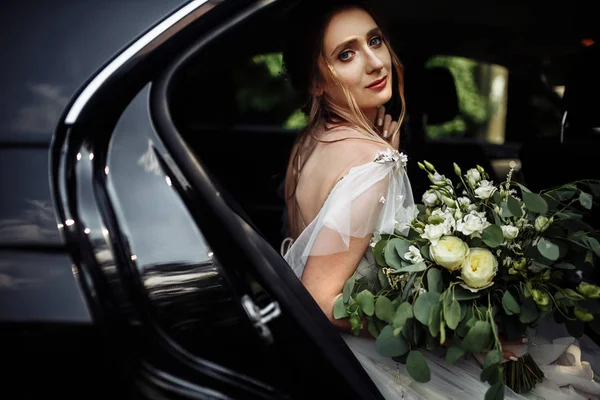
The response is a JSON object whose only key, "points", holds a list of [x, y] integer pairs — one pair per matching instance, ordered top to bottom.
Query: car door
{"points": [[193, 300]]}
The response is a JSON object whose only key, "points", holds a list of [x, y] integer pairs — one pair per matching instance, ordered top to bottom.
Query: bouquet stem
{"points": [[523, 374]]}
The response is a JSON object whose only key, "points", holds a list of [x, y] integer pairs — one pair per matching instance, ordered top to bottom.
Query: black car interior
{"points": [[246, 150]]}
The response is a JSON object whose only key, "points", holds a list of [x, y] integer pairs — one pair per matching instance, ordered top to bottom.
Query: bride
{"points": [[346, 180]]}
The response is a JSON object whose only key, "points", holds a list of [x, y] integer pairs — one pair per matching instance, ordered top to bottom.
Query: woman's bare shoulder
{"points": [[346, 143]]}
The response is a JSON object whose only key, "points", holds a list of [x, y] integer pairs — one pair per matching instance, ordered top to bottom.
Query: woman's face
{"points": [[353, 44]]}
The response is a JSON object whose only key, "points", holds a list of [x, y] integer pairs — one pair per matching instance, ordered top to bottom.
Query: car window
{"points": [[481, 89], [263, 93]]}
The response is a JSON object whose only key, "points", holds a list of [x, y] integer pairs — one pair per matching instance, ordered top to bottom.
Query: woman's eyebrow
{"points": [[350, 42]]}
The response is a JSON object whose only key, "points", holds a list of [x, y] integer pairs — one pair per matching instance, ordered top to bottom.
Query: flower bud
{"points": [[421, 166], [429, 166], [457, 170], [449, 202], [542, 223], [510, 232], [520, 264], [512, 271], [588, 290], [540, 298], [583, 315]]}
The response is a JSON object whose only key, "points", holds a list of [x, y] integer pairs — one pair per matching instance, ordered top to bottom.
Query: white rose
{"points": [[473, 177], [485, 190], [430, 199], [448, 220], [473, 223], [542, 223], [509, 231], [433, 232], [449, 252], [413, 255], [478, 269]]}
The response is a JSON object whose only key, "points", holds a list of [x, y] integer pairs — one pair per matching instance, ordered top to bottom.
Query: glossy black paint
{"points": [[52, 48], [27, 215], [39, 286]]}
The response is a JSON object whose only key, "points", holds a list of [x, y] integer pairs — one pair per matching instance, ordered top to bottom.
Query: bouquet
{"points": [[481, 262]]}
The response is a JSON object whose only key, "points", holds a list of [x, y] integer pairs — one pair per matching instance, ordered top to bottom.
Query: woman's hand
{"points": [[385, 125], [511, 351]]}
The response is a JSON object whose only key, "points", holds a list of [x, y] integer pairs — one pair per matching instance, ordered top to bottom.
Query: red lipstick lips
{"points": [[378, 84]]}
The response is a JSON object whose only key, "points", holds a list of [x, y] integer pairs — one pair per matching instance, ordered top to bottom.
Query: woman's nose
{"points": [[374, 63]]}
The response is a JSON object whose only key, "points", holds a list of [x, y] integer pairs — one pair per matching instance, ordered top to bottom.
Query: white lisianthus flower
{"points": [[473, 177], [438, 178], [485, 190], [430, 198], [464, 202], [448, 219], [473, 223], [509, 231], [433, 233], [449, 252], [413, 255], [478, 269]]}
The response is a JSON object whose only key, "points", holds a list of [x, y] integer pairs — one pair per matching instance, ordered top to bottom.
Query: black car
{"points": [[142, 153]]}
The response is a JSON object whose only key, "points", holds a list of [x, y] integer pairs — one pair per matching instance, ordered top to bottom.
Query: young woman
{"points": [[347, 180]]}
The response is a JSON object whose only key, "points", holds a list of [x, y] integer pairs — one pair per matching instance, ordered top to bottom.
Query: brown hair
{"points": [[303, 57]]}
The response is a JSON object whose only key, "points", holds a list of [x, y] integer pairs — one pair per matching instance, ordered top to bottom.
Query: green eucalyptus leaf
{"points": [[564, 195], [497, 198], [585, 199], [535, 202], [514, 206], [492, 236], [592, 244], [401, 247], [548, 249], [378, 251], [425, 252], [392, 258], [564, 265], [418, 267], [383, 280], [434, 280], [348, 286], [462, 294], [366, 301], [423, 304], [509, 304], [339, 308], [384, 310], [529, 311], [403, 313], [452, 314], [434, 320], [372, 328], [479, 337], [389, 345], [453, 354], [493, 357], [417, 367], [495, 392]]}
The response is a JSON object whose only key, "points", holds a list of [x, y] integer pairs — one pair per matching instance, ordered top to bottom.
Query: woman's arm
{"points": [[324, 278]]}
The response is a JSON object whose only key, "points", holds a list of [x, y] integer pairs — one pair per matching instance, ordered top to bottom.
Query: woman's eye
{"points": [[376, 41], [345, 55]]}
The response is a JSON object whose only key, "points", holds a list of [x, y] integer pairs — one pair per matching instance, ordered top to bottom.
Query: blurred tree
{"points": [[474, 107]]}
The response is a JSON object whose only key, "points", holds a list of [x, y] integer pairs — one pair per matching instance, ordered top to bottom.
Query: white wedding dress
{"points": [[376, 198]]}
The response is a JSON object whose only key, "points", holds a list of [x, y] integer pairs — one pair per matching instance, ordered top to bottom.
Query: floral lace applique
{"points": [[390, 155]]}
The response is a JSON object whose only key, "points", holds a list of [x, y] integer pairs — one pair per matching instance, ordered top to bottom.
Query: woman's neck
{"points": [[371, 114]]}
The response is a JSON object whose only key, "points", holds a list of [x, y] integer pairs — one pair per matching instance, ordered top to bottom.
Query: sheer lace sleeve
{"points": [[372, 197]]}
